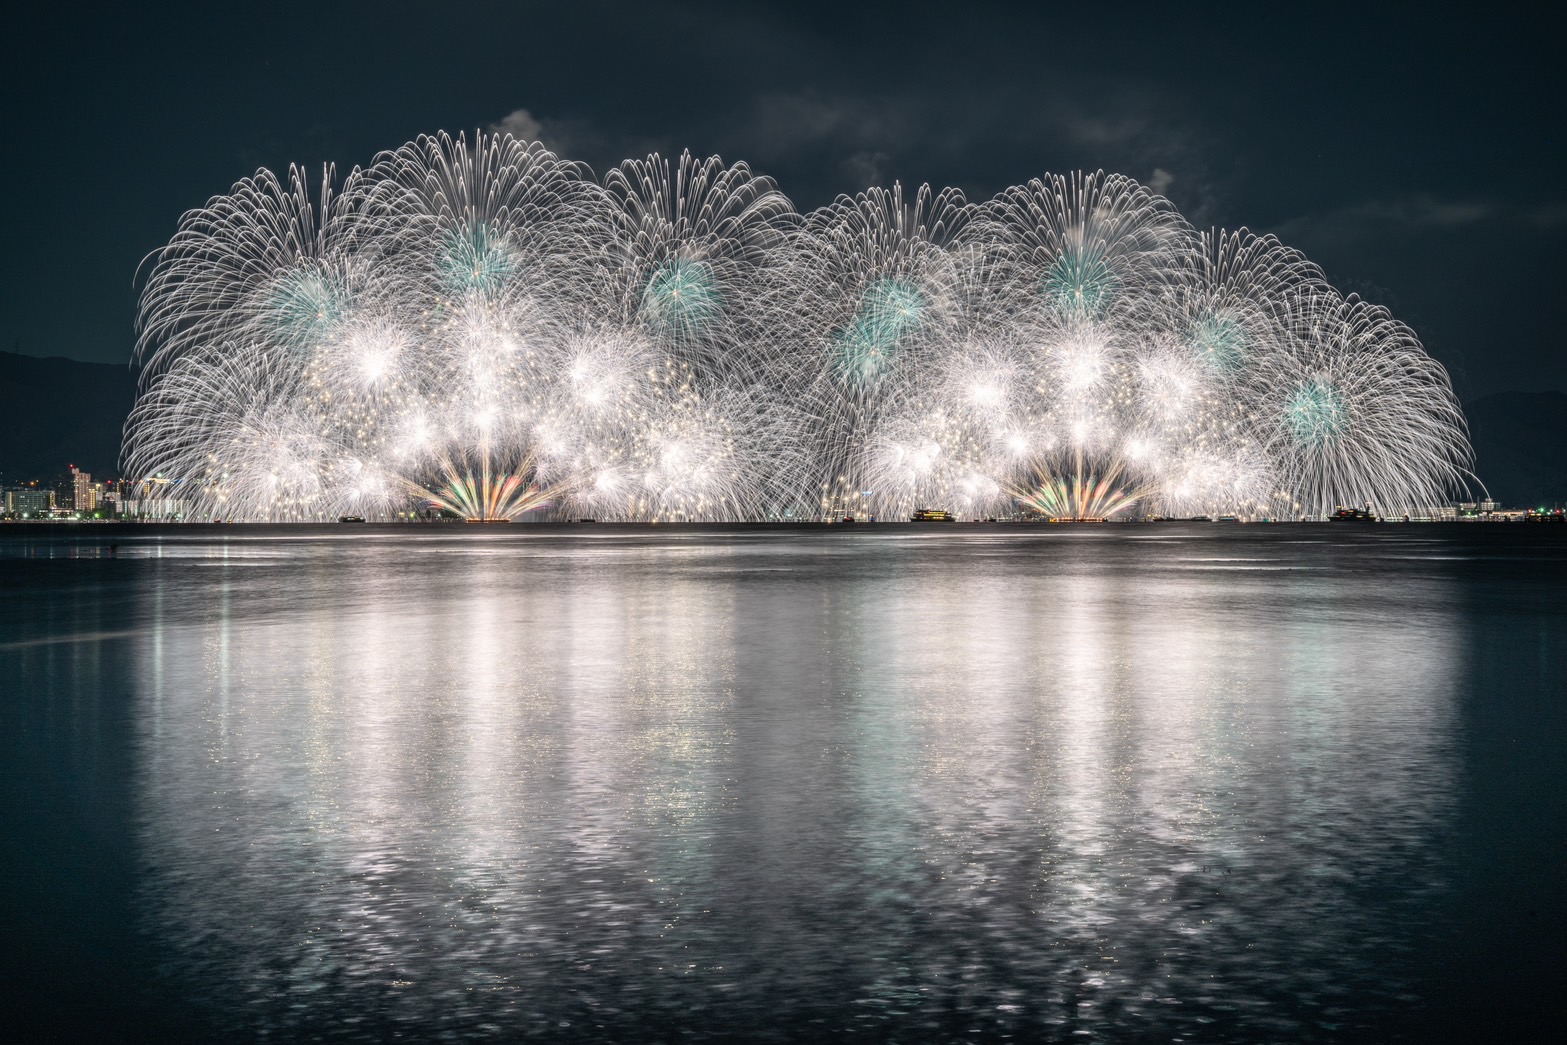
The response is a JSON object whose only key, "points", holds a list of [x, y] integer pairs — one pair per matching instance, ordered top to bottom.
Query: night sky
{"points": [[1417, 158]]}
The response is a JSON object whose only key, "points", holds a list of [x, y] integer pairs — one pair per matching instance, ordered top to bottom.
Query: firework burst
{"points": [[479, 326]]}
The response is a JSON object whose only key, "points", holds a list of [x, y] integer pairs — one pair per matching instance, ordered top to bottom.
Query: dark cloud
{"points": [[519, 123], [576, 139], [866, 168], [1422, 212]]}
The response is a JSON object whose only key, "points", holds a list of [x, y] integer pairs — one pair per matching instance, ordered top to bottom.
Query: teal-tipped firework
{"points": [[477, 326]]}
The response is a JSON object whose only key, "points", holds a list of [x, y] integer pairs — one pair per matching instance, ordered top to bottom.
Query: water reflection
{"points": [[705, 786]]}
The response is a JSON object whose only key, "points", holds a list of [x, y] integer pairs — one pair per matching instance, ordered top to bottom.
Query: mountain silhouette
{"points": [[58, 412]]}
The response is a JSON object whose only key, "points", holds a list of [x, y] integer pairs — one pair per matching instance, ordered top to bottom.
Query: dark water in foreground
{"points": [[1202, 783]]}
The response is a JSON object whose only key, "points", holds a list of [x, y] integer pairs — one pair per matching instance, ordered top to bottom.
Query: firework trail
{"points": [[480, 326]]}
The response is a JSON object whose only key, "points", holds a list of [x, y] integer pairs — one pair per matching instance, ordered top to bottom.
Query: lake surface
{"points": [[1170, 782]]}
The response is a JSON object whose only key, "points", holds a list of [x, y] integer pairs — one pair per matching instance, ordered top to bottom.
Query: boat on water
{"points": [[932, 515], [1352, 515], [350, 518]]}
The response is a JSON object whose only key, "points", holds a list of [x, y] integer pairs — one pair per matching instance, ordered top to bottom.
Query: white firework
{"points": [[482, 327]]}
